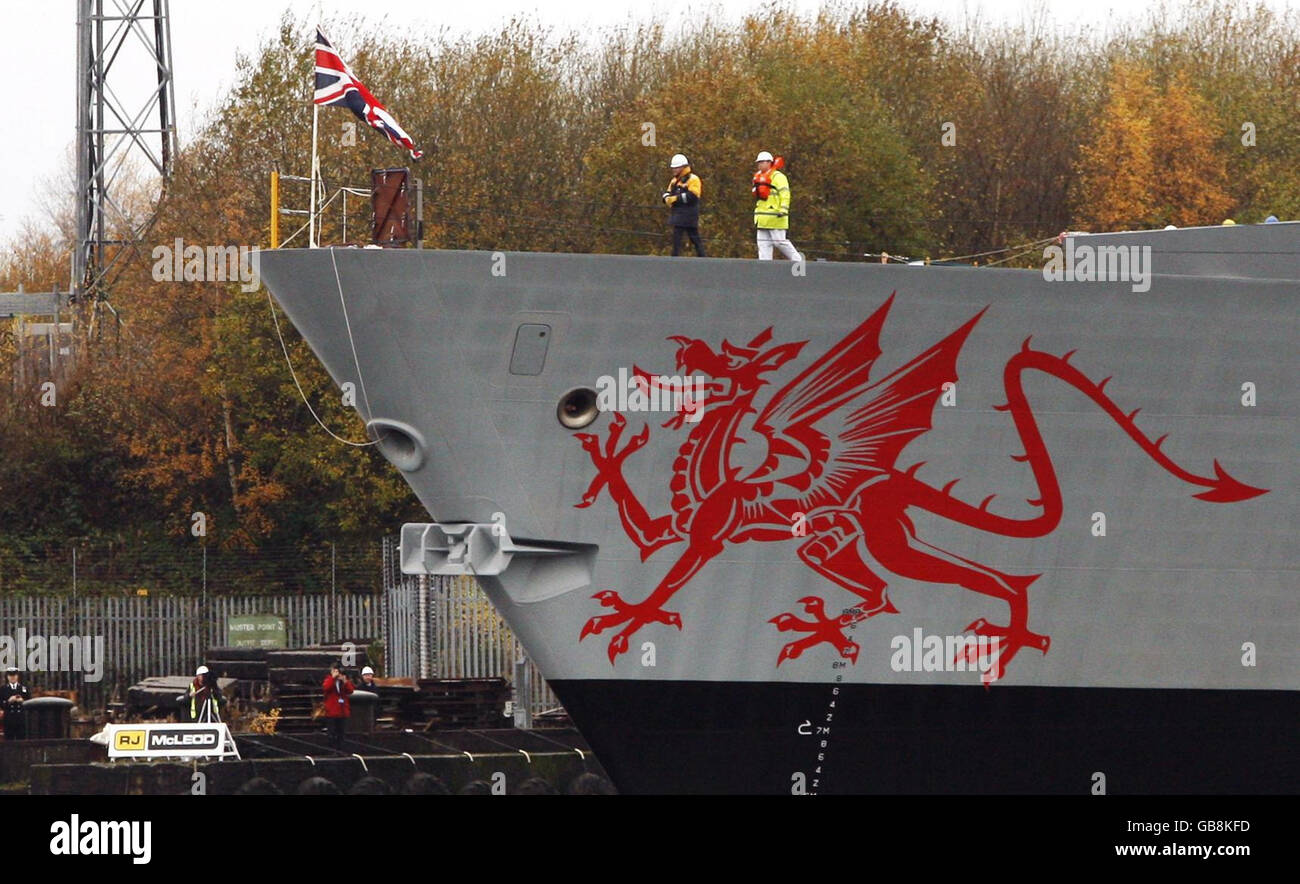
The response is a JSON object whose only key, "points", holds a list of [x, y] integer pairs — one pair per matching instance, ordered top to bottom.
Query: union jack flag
{"points": [[337, 86]]}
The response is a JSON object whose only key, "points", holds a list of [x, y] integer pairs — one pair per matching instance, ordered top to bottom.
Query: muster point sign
{"points": [[256, 631]]}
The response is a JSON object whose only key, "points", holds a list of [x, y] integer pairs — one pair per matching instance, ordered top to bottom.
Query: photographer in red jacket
{"points": [[338, 707]]}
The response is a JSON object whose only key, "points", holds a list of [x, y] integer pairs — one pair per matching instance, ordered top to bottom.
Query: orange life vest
{"points": [[762, 186]]}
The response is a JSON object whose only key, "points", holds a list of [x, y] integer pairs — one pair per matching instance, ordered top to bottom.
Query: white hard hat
{"points": [[763, 156], [677, 160], [202, 670], [366, 670]]}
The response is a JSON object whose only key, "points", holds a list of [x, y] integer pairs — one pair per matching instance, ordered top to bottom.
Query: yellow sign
{"points": [[128, 740]]}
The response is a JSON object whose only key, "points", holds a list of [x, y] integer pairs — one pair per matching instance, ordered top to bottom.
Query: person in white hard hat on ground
{"points": [[683, 197], [772, 208], [367, 680], [205, 697]]}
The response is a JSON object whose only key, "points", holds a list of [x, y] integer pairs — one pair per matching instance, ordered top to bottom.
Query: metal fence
{"points": [[104, 568], [149, 635], [157, 635]]}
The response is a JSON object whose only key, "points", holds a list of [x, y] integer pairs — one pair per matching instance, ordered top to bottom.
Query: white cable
{"points": [[320, 209], [355, 361], [294, 375]]}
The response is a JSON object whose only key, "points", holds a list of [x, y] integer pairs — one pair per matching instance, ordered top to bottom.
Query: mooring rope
{"points": [[294, 375], [361, 381]]}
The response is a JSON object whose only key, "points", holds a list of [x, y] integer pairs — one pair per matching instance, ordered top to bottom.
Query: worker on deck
{"points": [[771, 191], [683, 198], [368, 680], [13, 694]]}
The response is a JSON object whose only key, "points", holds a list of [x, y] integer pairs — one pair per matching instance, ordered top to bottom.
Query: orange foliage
{"points": [[1153, 159]]}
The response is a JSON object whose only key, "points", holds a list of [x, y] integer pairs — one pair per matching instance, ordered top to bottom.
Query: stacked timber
{"points": [[243, 663], [248, 665], [296, 676], [157, 695], [397, 699], [450, 703], [553, 718]]}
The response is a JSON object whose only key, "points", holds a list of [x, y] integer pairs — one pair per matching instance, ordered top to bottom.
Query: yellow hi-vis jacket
{"points": [[773, 213]]}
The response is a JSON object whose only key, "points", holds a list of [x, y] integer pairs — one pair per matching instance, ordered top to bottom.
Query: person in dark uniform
{"points": [[683, 198], [368, 680], [13, 694]]}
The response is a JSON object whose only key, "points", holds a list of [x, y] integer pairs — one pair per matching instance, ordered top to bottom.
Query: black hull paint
{"points": [[742, 738]]}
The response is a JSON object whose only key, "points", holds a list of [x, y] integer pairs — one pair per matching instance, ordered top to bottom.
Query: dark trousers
{"points": [[693, 233], [15, 726], [337, 726]]}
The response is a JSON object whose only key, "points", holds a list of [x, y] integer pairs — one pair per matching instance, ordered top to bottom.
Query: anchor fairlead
{"points": [[481, 548]]}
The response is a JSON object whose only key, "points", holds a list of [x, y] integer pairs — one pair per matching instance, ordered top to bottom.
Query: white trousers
{"points": [[769, 238]]}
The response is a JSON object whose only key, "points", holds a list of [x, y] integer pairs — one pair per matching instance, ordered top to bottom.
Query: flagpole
{"points": [[315, 175]]}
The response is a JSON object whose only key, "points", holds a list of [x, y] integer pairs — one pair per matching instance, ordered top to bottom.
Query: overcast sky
{"points": [[38, 59]]}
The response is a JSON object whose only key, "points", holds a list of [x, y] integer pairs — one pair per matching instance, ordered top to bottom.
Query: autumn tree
{"points": [[538, 140], [1155, 158], [1117, 165]]}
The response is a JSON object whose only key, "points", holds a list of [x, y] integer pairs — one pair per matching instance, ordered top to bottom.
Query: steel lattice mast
{"points": [[116, 136]]}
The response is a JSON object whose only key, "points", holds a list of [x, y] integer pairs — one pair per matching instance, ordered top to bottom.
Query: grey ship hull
{"points": [[1173, 665]]}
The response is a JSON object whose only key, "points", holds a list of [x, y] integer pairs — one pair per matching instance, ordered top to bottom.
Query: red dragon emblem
{"points": [[827, 446]]}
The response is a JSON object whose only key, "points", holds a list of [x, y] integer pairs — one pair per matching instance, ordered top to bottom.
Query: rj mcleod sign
{"points": [[167, 740]]}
